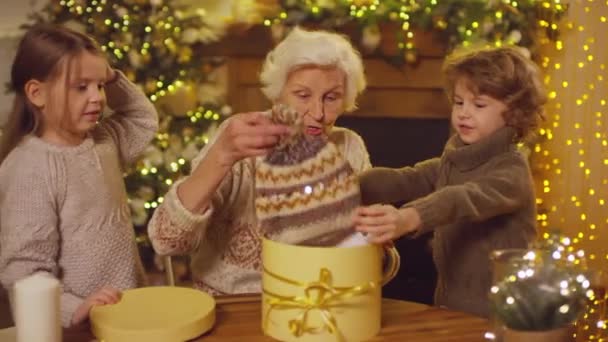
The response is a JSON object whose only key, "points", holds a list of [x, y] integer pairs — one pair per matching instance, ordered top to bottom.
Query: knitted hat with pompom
{"points": [[306, 190]]}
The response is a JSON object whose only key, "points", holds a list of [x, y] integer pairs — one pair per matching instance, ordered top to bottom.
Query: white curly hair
{"points": [[302, 48]]}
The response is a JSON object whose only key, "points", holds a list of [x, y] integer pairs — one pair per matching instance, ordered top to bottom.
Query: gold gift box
{"points": [[323, 293]]}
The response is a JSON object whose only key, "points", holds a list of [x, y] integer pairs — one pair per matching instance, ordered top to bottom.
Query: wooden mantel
{"points": [[410, 91]]}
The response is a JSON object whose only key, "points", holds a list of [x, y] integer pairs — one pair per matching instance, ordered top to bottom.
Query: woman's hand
{"points": [[247, 135], [384, 223], [103, 296]]}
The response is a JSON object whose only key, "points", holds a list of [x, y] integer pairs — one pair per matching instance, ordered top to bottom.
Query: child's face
{"points": [[317, 94], [74, 110], [475, 116]]}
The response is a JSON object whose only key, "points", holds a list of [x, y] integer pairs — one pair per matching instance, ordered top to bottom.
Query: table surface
{"points": [[238, 318]]}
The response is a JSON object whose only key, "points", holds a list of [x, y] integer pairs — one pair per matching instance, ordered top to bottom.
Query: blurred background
{"points": [[199, 60]]}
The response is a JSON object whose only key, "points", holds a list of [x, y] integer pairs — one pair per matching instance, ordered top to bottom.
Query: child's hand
{"points": [[111, 74], [384, 223], [103, 296]]}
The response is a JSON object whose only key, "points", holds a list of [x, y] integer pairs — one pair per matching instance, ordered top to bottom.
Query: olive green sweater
{"points": [[475, 199]]}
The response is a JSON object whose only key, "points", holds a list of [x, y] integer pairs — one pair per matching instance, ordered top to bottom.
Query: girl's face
{"points": [[317, 94], [75, 100], [475, 116]]}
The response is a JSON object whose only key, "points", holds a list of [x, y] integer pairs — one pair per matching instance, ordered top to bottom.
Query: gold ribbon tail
{"points": [[319, 295]]}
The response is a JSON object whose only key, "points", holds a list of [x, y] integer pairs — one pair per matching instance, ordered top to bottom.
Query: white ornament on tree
{"points": [[121, 11], [371, 37], [514, 37], [134, 58], [215, 90], [226, 110], [175, 144], [191, 151], [153, 156], [145, 193], [139, 214]]}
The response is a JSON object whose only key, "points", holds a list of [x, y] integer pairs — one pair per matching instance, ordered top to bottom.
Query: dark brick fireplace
{"points": [[398, 142]]}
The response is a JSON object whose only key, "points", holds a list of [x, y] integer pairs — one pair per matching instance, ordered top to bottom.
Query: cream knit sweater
{"points": [[63, 210], [224, 241]]}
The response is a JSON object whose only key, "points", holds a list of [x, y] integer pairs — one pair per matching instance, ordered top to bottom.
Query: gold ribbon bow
{"points": [[319, 295]]}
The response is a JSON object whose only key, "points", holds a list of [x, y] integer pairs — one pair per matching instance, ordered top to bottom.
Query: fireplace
{"points": [[398, 142]]}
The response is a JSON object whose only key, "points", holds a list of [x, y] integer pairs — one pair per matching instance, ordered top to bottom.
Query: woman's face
{"points": [[317, 93]]}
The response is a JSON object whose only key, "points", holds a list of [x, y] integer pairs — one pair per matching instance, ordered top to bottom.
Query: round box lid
{"points": [[163, 314]]}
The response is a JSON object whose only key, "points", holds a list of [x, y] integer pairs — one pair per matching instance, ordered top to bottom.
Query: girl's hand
{"points": [[111, 74], [247, 135], [384, 223], [103, 296]]}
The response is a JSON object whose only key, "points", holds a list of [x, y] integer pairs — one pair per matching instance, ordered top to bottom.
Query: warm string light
{"points": [[118, 20], [496, 24], [574, 148], [176, 169]]}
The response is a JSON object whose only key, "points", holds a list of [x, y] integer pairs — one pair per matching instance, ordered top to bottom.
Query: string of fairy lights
{"points": [[361, 10], [458, 22], [573, 153]]}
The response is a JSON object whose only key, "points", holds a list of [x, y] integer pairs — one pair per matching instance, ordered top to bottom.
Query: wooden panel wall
{"points": [[410, 91]]}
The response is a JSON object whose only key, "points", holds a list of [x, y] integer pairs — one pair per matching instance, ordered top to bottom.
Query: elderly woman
{"points": [[211, 213]]}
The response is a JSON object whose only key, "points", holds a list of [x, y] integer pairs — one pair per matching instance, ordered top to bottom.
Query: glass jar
{"points": [[503, 262], [535, 291], [591, 325]]}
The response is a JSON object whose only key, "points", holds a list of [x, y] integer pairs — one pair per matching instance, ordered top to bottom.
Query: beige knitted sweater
{"points": [[64, 210], [224, 241]]}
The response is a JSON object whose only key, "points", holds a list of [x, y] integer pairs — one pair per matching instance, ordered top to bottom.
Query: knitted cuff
{"points": [[428, 215], [181, 216], [69, 304]]}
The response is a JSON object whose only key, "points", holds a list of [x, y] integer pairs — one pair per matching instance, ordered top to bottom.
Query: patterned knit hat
{"points": [[306, 190]]}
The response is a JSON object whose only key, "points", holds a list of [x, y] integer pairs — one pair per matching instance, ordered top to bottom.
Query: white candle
{"points": [[37, 315]]}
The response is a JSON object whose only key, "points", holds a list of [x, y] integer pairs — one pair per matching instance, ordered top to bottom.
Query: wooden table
{"points": [[238, 318]]}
